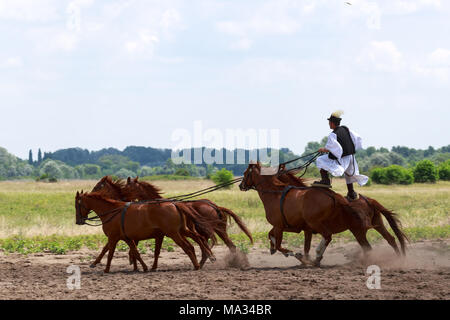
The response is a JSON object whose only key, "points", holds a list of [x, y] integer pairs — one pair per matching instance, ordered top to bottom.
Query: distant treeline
{"points": [[77, 163]]}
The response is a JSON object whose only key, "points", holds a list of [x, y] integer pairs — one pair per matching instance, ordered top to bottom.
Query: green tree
{"points": [[39, 156], [30, 157], [51, 169], [444, 170], [425, 171], [182, 172], [125, 173], [393, 174], [222, 176]]}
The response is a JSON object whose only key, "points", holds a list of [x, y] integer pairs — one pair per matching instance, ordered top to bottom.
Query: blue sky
{"points": [[96, 74]]}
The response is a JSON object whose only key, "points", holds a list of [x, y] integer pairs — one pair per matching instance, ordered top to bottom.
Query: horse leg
{"points": [[378, 222], [278, 233], [360, 236], [226, 239], [326, 239], [272, 241], [158, 244], [203, 244], [307, 246], [111, 247], [187, 248], [136, 255], [100, 256], [133, 259]]}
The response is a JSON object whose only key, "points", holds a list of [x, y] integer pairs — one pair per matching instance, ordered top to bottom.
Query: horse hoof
{"points": [[272, 251], [212, 259], [92, 266]]}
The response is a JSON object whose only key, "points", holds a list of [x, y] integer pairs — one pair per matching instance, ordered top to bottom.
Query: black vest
{"points": [[345, 140]]}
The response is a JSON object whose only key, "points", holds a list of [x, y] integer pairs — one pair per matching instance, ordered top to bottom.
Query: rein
{"points": [[303, 166], [204, 191]]}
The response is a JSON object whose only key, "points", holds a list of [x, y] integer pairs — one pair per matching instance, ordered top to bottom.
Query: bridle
{"points": [[96, 218]]}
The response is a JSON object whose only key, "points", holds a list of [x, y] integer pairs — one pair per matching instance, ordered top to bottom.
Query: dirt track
{"points": [[424, 274]]}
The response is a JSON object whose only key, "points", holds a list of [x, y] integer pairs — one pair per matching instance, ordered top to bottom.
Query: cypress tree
{"points": [[39, 156], [30, 157]]}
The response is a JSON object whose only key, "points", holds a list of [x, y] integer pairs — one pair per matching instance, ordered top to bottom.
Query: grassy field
{"points": [[38, 216]]}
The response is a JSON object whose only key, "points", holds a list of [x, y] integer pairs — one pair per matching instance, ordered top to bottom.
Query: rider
{"points": [[341, 147]]}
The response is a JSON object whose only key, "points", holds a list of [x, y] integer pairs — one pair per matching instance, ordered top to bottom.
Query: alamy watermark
{"points": [[188, 145], [74, 280], [374, 280]]}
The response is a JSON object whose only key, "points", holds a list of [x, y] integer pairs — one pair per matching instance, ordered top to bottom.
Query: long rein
{"points": [[184, 197]]}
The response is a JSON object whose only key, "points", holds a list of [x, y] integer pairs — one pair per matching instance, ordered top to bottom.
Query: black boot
{"points": [[325, 182], [351, 195]]}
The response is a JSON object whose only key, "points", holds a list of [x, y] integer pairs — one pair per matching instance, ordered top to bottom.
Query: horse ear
{"points": [[136, 179], [128, 180], [78, 194]]}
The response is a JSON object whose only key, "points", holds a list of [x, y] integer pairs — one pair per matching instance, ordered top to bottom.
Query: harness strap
{"points": [[122, 220]]}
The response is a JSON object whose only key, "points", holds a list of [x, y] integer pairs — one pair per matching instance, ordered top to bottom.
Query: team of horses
{"points": [[134, 210]]}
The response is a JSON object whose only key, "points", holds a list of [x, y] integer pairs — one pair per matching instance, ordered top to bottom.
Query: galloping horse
{"points": [[116, 190], [370, 207], [317, 210], [214, 214], [143, 221]]}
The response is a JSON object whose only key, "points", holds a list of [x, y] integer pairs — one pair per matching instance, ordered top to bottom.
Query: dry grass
{"points": [[30, 208]]}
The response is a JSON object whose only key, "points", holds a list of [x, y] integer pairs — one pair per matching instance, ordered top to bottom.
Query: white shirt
{"points": [[336, 149]]}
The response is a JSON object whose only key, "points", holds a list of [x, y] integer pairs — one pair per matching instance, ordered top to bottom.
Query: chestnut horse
{"points": [[114, 190], [370, 207], [311, 209], [214, 214], [136, 222]]}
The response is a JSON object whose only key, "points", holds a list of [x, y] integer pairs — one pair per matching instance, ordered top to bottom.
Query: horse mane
{"points": [[291, 179], [116, 184], [151, 190], [100, 196]]}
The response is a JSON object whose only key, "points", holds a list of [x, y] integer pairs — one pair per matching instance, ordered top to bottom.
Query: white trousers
{"points": [[347, 165]]}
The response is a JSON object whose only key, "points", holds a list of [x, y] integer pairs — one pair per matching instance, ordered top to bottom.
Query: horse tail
{"points": [[181, 211], [238, 221], [393, 221], [198, 225]]}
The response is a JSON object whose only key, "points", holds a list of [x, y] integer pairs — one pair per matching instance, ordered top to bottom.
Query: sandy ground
{"points": [[423, 274]]}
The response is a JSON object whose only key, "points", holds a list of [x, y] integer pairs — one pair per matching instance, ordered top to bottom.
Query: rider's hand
{"points": [[324, 150]]}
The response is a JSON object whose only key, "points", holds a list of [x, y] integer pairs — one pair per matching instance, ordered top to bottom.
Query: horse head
{"points": [[250, 176], [109, 188], [81, 212]]}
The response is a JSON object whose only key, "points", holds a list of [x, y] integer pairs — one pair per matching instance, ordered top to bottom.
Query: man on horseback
{"points": [[341, 147]]}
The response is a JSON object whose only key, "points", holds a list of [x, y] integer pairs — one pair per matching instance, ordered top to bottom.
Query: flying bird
{"points": [[348, 3]]}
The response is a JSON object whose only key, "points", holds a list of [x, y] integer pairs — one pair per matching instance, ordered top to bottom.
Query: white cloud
{"points": [[409, 6], [363, 9], [29, 10], [74, 13], [272, 18], [170, 19], [53, 39], [144, 43], [242, 44], [382, 56], [440, 57], [12, 62], [437, 65]]}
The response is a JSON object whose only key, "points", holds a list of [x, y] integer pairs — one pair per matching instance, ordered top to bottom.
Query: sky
{"points": [[113, 73]]}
